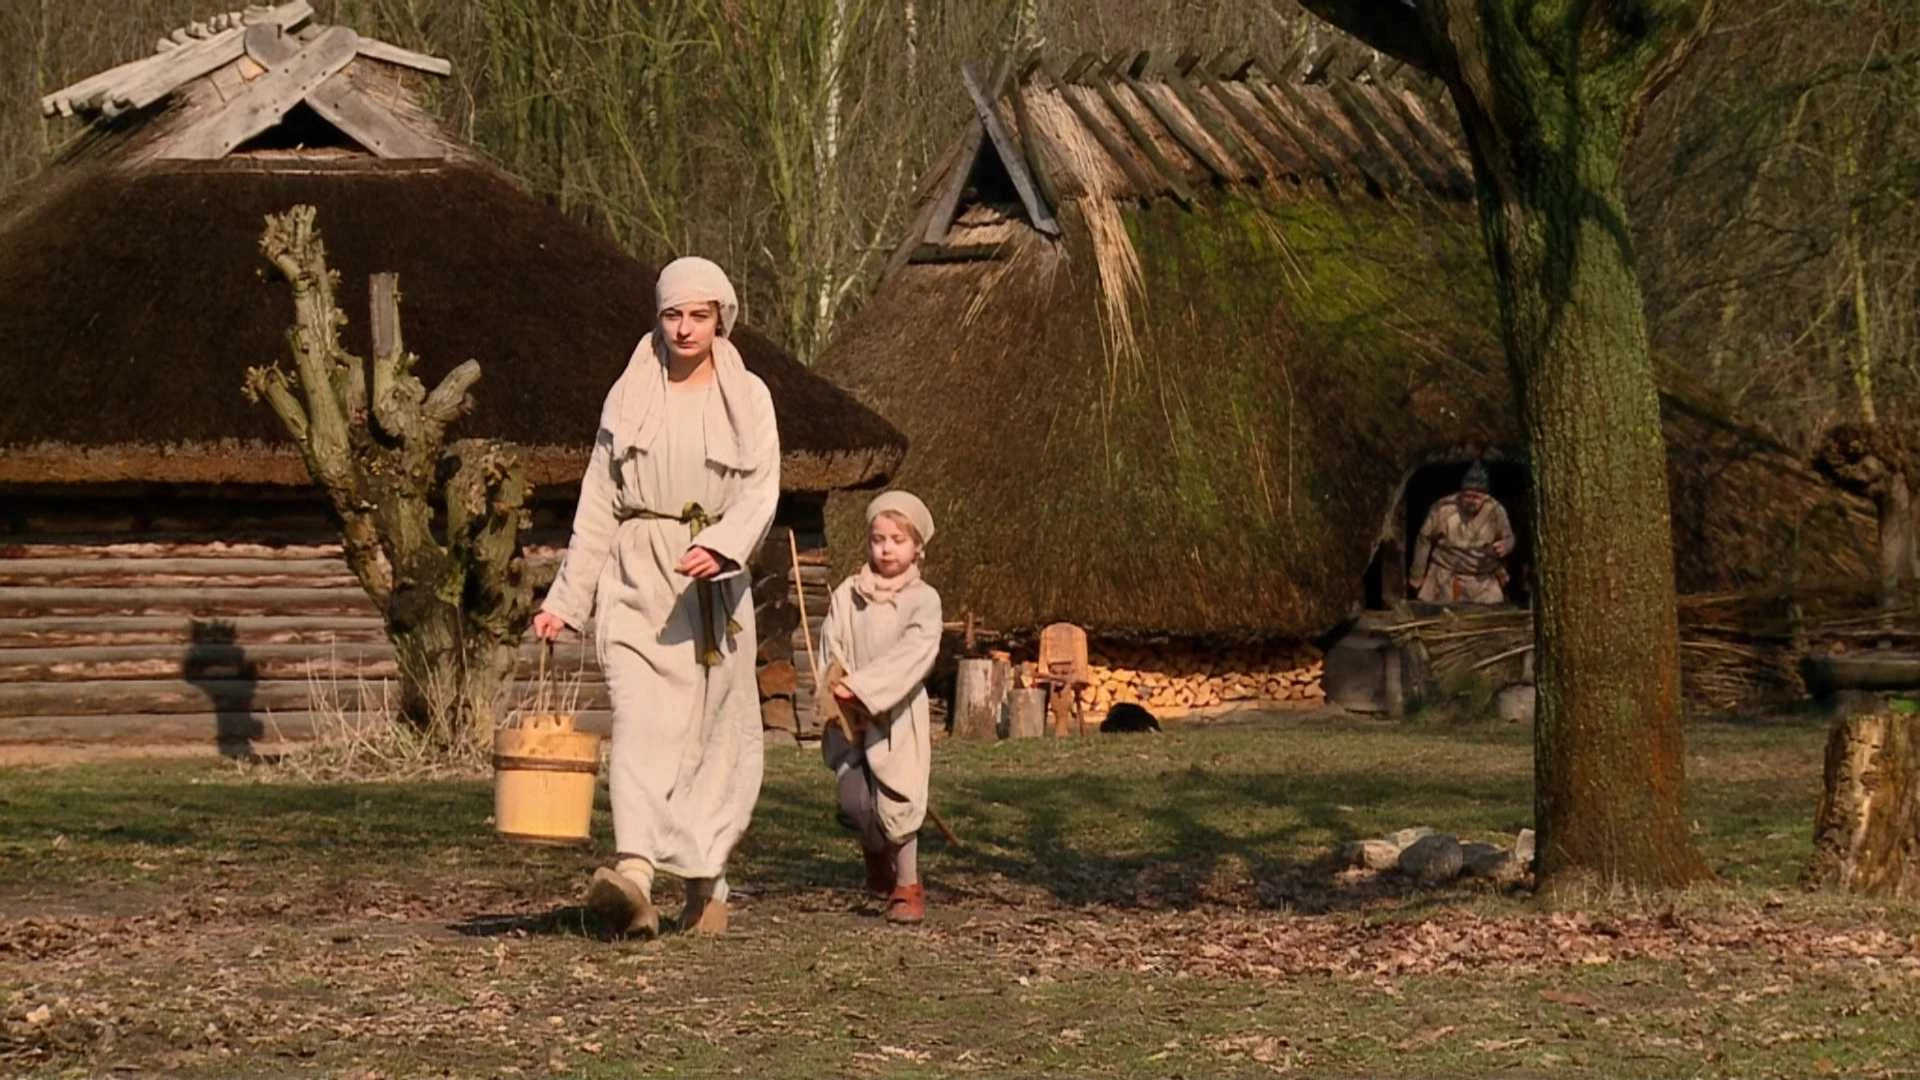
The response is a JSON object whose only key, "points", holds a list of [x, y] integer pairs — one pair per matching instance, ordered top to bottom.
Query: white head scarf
{"points": [[693, 280], [633, 414], [907, 505]]}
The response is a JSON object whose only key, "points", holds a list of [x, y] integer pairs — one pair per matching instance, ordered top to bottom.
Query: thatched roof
{"points": [[133, 297], [1192, 413]]}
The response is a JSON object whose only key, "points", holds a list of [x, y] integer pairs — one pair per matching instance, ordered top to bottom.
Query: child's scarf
{"points": [[875, 589]]}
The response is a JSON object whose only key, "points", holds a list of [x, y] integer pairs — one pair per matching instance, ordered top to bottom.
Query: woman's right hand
{"points": [[547, 626]]}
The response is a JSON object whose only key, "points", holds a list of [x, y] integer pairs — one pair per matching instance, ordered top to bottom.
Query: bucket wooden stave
{"points": [[544, 776]]}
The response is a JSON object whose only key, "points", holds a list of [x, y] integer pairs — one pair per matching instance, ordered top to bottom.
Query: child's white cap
{"points": [[907, 505]]}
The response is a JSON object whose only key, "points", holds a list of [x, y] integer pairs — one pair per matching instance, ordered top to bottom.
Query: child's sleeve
{"points": [[892, 677]]}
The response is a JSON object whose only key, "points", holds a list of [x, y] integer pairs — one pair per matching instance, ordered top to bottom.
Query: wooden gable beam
{"points": [[394, 54], [170, 71], [268, 99], [341, 102], [1031, 141], [1037, 210], [940, 221]]}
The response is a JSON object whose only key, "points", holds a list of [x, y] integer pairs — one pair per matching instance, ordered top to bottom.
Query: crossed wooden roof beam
{"points": [[284, 60], [1375, 147]]}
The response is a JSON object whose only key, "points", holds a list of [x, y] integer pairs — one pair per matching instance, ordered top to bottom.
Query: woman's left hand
{"points": [[700, 564]]}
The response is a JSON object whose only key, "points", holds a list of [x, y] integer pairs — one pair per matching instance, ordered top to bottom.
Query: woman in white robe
{"points": [[679, 493], [883, 630]]}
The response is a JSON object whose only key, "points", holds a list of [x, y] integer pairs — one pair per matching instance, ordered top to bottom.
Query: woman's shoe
{"points": [[622, 905]]}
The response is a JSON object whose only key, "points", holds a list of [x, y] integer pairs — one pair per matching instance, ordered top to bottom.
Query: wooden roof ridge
{"points": [[266, 60], [1339, 115]]}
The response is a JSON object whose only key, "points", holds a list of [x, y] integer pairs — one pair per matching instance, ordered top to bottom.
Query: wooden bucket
{"points": [[544, 774]]}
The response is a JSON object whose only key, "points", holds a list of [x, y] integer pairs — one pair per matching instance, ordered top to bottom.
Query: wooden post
{"points": [[980, 691], [1027, 713]]}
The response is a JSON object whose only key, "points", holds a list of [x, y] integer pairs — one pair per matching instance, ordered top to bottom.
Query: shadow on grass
{"points": [[1190, 836], [569, 920]]}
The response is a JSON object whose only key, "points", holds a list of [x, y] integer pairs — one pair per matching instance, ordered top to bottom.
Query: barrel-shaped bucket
{"points": [[544, 773]]}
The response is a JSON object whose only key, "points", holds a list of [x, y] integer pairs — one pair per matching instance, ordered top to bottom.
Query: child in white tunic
{"points": [[883, 628]]}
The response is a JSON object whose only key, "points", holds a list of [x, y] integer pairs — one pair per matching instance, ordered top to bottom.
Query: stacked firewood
{"points": [[1169, 678]]}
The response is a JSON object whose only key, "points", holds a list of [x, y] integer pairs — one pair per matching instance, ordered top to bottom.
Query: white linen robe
{"points": [[888, 648], [686, 761]]}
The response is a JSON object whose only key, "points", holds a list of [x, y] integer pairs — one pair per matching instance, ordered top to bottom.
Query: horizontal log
{"points": [[122, 548], [199, 572], [18, 602], [179, 630], [205, 660], [239, 696], [153, 728]]}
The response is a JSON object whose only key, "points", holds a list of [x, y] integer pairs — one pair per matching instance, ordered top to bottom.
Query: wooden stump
{"points": [[980, 691], [1026, 713], [1867, 835]]}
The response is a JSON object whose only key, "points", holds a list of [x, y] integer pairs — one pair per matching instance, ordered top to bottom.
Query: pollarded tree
{"points": [[1549, 93], [432, 530]]}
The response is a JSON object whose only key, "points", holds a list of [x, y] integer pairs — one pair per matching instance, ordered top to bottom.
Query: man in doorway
{"points": [[1460, 555]]}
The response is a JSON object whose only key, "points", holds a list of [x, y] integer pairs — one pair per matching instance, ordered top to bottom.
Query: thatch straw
{"points": [[1121, 285]]}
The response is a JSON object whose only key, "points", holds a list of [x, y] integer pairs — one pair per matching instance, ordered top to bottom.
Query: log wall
{"points": [[232, 617]]}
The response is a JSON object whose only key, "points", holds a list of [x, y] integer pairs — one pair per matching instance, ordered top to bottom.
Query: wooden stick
{"points": [[806, 631], [945, 833]]}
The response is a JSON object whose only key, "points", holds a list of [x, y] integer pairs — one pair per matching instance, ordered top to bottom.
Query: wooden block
{"points": [[778, 678], [1026, 713], [779, 714]]}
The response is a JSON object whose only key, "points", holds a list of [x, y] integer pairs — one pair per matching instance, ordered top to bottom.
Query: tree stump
{"points": [[980, 691], [1027, 713], [1867, 835]]}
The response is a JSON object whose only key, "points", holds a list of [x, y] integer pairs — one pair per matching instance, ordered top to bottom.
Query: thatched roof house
{"points": [[132, 297], [1189, 348], [141, 494]]}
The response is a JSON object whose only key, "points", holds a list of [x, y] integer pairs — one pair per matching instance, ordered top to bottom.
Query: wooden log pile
{"points": [[1169, 679]]}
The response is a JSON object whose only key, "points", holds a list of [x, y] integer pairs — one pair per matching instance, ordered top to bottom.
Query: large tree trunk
{"points": [[1549, 96], [1609, 760], [1867, 836]]}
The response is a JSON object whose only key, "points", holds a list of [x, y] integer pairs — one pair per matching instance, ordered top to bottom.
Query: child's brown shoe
{"points": [[879, 873], [622, 905], [907, 905]]}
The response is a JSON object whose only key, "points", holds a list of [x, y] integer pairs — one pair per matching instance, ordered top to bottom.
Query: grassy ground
{"points": [[1151, 906]]}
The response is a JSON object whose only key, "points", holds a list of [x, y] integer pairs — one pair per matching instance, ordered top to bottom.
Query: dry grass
{"points": [[359, 735]]}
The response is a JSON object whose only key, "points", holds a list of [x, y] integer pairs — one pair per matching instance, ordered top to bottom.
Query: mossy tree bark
{"points": [[1549, 93], [431, 530]]}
